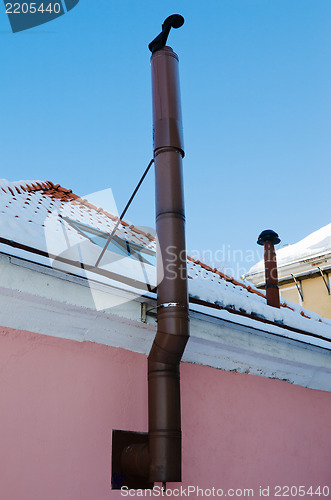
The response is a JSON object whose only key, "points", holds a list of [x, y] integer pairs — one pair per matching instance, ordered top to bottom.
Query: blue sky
{"points": [[255, 83]]}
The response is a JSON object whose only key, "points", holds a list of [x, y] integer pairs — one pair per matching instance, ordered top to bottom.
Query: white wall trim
{"points": [[216, 339]]}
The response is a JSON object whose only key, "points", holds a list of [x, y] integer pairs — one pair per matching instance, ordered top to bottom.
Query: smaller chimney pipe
{"points": [[269, 239]]}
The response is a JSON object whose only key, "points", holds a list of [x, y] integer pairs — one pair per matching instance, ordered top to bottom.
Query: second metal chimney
{"points": [[269, 239]]}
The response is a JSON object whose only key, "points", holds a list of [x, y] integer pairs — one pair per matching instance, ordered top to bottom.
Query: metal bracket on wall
{"points": [[325, 279], [298, 284], [144, 312]]}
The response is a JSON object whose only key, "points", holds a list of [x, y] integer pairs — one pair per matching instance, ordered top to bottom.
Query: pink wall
{"points": [[60, 400]]}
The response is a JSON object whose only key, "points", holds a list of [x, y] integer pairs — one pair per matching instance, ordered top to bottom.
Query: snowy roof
{"points": [[48, 224], [316, 245]]}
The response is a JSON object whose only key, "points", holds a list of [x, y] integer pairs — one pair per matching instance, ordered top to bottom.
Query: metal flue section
{"points": [[172, 296], [157, 457]]}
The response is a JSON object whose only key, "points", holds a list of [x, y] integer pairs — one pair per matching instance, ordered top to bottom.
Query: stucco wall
{"points": [[290, 292], [315, 295], [60, 400]]}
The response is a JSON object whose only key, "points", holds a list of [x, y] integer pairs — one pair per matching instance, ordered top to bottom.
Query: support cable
{"points": [[123, 213], [326, 281], [298, 285]]}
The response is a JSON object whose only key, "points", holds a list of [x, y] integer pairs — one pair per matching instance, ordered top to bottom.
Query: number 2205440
{"points": [[33, 8], [300, 491]]}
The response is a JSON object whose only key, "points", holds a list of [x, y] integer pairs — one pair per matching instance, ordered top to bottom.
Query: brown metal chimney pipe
{"points": [[269, 239], [172, 295], [159, 458]]}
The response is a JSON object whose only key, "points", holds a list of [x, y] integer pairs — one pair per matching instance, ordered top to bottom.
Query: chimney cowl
{"points": [[268, 235]]}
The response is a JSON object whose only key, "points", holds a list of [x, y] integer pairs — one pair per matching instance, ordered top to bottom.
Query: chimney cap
{"points": [[174, 21], [268, 235]]}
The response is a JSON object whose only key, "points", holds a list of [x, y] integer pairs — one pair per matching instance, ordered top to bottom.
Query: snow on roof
{"points": [[48, 224], [316, 244]]}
